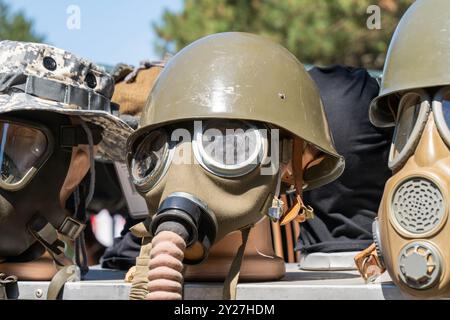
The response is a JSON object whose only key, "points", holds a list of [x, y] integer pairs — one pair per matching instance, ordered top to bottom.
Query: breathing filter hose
{"points": [[166, 262]]}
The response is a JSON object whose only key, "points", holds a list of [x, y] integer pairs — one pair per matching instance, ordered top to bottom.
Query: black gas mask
{"points": [[35, 156]]}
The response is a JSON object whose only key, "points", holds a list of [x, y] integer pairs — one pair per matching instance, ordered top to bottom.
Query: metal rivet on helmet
{"points": [[49, 63], [91, 81]]}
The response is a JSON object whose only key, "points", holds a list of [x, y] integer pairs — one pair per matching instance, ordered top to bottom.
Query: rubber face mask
{"points": [[34, 160], [209, 175], [412, 232]]}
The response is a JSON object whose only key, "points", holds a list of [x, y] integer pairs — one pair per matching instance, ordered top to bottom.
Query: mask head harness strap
{"points": [[292, 174], [53, 238], [59, 243], [66, 243], [369, 263], [230, 284]]}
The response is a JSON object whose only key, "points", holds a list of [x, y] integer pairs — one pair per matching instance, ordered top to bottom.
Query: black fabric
{"points": [[73, 136], [346, 208], [124, 251]]}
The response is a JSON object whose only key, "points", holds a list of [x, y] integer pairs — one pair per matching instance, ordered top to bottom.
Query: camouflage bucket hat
{"points": [[41, 77]]}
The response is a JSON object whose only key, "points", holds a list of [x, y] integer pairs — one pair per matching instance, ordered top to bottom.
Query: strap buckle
{"points": [[293, 174], [276, 210], [299, 212], [305, 213], [71, 228], [369, 264]]}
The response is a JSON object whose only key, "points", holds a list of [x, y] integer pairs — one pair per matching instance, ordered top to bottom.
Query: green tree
{"points": [[15, 26], [320, 32]]}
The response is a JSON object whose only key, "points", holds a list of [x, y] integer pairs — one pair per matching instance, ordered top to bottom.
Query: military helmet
{"points": [[418, 57], [243, 76]]}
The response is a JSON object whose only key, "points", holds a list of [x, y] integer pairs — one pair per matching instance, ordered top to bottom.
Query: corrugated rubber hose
{"points": [[166, 262]]}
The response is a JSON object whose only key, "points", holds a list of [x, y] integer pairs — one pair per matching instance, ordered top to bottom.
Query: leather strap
{"points": [[298, 212], [368, 264], [231, 281]]}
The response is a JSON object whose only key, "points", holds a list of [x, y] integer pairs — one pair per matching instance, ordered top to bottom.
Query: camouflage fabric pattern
{"points": [[27, 58], [115, 131]]}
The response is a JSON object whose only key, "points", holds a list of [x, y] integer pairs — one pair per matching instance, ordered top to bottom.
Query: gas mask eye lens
{"points": [[441, 111], [446, 111], [412, 114], [406, 121], [22, 148], [229, 148], [150, 160]]}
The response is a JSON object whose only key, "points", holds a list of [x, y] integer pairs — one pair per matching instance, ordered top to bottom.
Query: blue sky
{"points": [[111, 31]]}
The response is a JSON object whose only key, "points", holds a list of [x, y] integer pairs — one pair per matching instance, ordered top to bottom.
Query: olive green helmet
{"points": [[418, 57], [243, 76]]}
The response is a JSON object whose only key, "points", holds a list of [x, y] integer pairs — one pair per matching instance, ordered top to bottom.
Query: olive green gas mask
{"points": [[207, 155], [212, 176]]}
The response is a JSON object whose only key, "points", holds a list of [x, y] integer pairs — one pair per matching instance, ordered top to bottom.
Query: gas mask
{"points": [[51, 102], [205, 154], [35, 156], [211, 184], [412, 230]]}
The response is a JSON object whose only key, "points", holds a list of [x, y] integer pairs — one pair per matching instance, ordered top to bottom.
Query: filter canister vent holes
{"points": [[418, 205]]}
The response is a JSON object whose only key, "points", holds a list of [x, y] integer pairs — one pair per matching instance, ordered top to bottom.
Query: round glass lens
{"points": [[446, 110], [230, 147], [148, 158]]}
